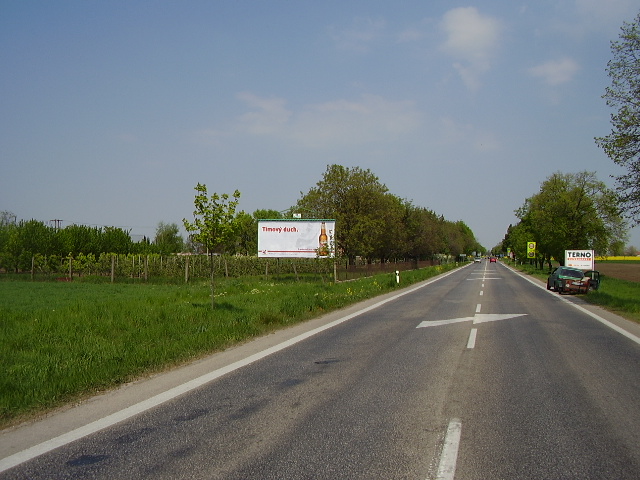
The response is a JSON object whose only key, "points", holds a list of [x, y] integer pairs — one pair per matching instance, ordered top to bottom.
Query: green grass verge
{"points": [[619, 296], [62, 341]]}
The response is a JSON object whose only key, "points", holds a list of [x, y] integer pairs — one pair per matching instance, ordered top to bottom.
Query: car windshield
{"points": [[571, 272]]}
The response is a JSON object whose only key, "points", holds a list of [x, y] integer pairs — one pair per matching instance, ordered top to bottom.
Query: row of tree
{"points": [[372, 224]]}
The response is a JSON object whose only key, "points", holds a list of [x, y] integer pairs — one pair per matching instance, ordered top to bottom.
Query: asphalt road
{"points": [[481, 374]]}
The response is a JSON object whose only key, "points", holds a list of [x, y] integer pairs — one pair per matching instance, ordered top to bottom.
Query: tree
{"points": [[622, 145], [355, 198], [571, 211], [268, 214], [7, 218], [215, 223], [424, 234], [246, 236], [75, 239], [168, 239], [516, 239], [116, 240]]}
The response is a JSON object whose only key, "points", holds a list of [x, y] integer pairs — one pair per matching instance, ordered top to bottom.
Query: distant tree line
{"points": [[373, 225], [21, 240]]}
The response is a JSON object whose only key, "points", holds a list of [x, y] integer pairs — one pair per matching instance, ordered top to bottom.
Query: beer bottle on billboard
{"points": [[323, 240]]}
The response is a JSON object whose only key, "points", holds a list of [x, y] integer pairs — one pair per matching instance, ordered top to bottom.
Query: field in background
{"points": [[623, 271]]}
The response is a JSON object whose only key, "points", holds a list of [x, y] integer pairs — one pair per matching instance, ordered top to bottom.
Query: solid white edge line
{"points": [[604, 321], [472, 338], [126, 413], [449, 457]]}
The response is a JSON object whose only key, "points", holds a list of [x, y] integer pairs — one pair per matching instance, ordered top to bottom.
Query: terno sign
{"points": [[296, 238], [582, 259]]}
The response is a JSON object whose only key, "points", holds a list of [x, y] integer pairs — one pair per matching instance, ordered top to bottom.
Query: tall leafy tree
{"points": [[622, 145], [355, 198], [573, 210], [268, 214], [215, 223], [246, 236], [424, 236], [168, 238], [75, 239], [516, 239], [116, 240]]}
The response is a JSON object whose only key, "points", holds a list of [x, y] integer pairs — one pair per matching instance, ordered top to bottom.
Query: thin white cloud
{"points": [[409, 35], [359, 36], [472, 39], [556, 72], [268, 115], [369, 119], [346, 122], [471, 136]]}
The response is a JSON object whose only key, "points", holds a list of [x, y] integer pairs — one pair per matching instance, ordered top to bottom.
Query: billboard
{"points": [[308, 238], [582, 259]]}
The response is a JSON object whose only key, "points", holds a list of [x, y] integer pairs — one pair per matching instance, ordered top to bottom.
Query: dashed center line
{"points": [[478, 307], [471, 343], [449, 457]]}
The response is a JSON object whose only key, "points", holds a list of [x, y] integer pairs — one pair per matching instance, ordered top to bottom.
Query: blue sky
{"points": [[112, 111]]}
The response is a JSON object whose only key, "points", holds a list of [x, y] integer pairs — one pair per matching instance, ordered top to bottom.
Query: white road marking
{"points": [[481, 293], [478, 307], [493, 317], [477, 318], [472, 338], [449, 457]]}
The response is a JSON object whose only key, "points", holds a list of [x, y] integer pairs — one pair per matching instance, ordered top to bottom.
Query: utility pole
{"points": [[57, 223]]}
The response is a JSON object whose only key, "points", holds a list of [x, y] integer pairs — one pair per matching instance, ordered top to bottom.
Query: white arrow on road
{"points": [[477, 318]]}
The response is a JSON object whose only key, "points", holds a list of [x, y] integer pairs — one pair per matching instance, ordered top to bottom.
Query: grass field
{"points": [[62, 341]]}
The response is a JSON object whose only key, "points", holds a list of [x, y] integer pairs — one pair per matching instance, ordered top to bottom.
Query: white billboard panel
{"points": [[296, 238], [582, 259]]}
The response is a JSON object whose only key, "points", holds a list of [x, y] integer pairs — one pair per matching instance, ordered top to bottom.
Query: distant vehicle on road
{"points": [[477, 259], [493, 260]]}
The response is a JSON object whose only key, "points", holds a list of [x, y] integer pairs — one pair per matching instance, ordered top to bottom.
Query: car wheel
{"points": [[548, 286]]}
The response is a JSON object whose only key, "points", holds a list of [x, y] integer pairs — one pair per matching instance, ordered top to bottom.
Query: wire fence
{"points": [[186, 268]]}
